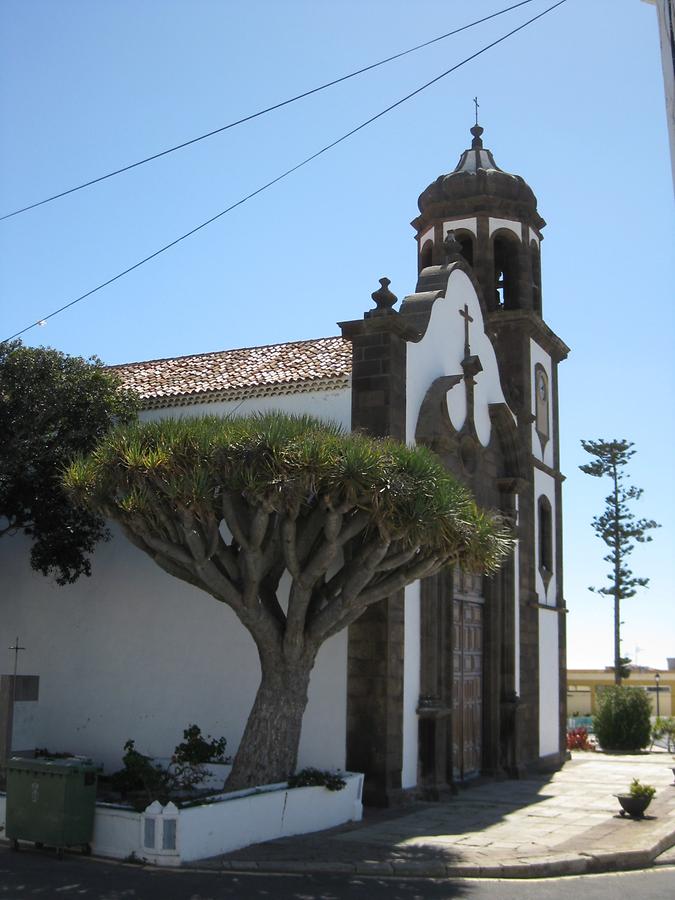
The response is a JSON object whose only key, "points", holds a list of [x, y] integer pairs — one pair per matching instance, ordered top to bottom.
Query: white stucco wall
{"points": [[469, 224], [508, 224], [427, 236], [534, 236], [440, 352], [539, 356], [331, 405], [544, 484], [134, 653], [411, 684], [549, 684]]}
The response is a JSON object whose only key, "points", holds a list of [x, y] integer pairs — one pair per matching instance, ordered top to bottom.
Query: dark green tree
{"points": [[52, 407], [234, 505], [619, 529]]}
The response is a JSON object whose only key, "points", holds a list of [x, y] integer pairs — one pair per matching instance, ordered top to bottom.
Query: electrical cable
{"points": [[256, 115], [285, 174]]}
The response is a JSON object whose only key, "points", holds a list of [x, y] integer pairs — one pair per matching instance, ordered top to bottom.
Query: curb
{"points": [[548, 867]]}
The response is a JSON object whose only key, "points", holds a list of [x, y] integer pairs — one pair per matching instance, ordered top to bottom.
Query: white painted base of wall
{"points": [[168, 836]]}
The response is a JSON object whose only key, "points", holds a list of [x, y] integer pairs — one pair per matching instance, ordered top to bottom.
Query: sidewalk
{"points": [[563, 825]]}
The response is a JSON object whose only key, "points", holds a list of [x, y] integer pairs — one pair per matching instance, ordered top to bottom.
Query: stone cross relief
{"points": [[464, 313], [471, 366]]}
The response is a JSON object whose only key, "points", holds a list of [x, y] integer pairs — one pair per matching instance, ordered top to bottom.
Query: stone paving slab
{"points": [[567, 823]]}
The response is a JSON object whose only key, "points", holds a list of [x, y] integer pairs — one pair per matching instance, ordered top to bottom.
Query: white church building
{"points": [[451, 678]]}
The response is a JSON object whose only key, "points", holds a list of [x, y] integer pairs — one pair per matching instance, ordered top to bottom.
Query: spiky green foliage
{"points": [[52, 406], [155, 478], [232, 505], [619, 529]]}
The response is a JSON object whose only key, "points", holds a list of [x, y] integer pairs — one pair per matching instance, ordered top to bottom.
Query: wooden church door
{"points": [[467, 676]]}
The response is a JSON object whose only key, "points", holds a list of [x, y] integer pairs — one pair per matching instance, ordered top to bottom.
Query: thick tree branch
{"points": [[233, 507], [289, 546], [324, 555], [379, 592]]}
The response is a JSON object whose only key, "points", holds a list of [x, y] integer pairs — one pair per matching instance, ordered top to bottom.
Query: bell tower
{"points": [[487, 218]]}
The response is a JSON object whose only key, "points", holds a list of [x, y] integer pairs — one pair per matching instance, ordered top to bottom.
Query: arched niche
{"points": [[542, 395]]}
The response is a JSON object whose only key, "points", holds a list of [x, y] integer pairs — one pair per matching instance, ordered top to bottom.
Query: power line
{"points": [[260, 112], [285, 174]]}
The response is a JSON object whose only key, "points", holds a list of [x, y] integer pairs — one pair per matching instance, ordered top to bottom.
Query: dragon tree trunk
{"points": [[268, 750]]}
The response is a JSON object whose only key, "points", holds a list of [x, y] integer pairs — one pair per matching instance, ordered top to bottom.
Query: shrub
{"points": [[622, 721], [577, 739], [196, 750], [141, 775], [316, 778]]}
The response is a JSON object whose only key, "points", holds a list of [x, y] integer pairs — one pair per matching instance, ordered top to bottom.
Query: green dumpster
{"points": [[51, 802]]}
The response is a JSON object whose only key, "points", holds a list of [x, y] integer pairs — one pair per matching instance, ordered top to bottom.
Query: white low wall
{"points": [[168, 836]]}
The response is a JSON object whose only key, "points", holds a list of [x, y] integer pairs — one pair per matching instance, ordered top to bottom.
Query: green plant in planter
{"points": [[196, 750], [189, 757], [141, 775], [310, 777], [637, 789], [636, 801]]}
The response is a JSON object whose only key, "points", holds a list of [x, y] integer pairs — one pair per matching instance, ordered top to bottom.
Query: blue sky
{"points": [[574, 104]]}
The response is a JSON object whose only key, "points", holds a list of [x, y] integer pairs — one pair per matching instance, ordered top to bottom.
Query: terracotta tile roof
{"points": [[321, 364]]}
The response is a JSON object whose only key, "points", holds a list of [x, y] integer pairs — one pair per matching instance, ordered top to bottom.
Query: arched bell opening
{"points": [[466, 240], [506, 250], [426, 254], [536, 276]]}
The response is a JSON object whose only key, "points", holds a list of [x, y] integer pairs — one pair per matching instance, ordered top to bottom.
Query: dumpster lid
{"points": [[45, 764]]}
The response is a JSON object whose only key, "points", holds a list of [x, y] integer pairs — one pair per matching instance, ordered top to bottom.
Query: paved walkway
{"points": [[564, 824]]}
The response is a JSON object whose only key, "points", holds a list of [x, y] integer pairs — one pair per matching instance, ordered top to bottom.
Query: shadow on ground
{"points": [[387, 834]]}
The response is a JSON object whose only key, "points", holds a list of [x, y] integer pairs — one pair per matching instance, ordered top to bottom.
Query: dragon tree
{"points": [[230, 505]]}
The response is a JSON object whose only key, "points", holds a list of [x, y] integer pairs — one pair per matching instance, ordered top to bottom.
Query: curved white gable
{"points": [[441, 351]]}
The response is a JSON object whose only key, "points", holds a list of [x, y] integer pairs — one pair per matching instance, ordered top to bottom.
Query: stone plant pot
{"points": [[633, 806]]}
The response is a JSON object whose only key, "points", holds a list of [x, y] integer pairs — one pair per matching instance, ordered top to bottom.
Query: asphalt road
{"points": [[31, 874]]}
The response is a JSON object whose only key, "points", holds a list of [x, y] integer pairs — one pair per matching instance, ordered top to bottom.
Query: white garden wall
{"points": [[168, 836]]}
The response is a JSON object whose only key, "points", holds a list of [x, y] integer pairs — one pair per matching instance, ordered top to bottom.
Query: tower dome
{"points": [[476, 183], [493, 215]]}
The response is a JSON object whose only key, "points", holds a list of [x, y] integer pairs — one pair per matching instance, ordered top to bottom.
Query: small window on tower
{"points": [[426, 254], [507, 271], [545, 539]]}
